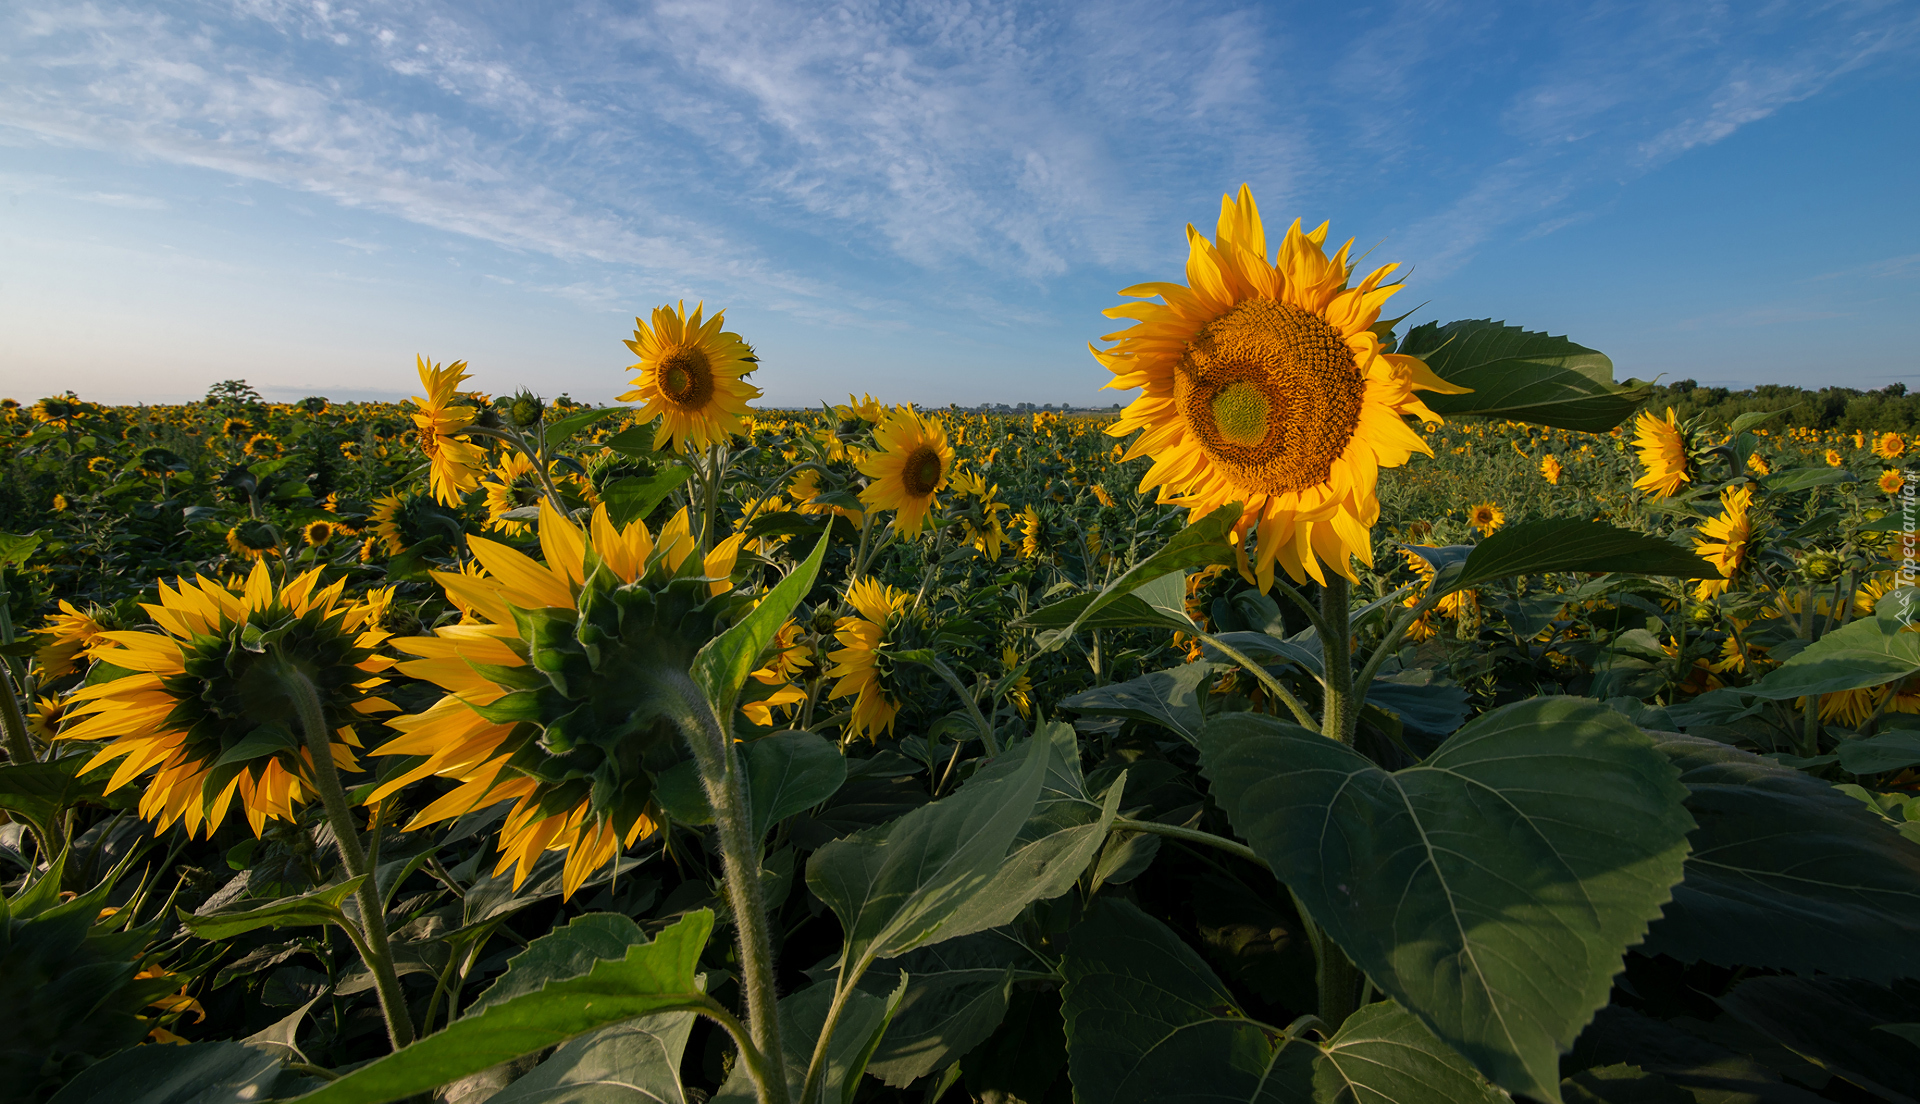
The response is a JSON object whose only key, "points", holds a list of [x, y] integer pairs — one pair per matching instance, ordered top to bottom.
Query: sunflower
{"points": [[692, 377], [1264, 384], [236, 428], [262, 446], [1889, 446], [1663, 452], [1834, 459], [453, 463], [913, 464], [99, 465], [1757, 465], [1550, 469], [1891, 481], [511, 485], [806, 487], [1100, 493], [60, 503], [979, 514], [1487, 517], [317, 533], [1033, 534], [250, 540], [1725, 540], [1461, 604], [69, 635], [791, 654], [862, 665], [556, 690], [1021, 692], [204, 703], [43, 720]]}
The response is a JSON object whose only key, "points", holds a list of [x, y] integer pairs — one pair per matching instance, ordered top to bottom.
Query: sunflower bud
{"points": [[526, 409], [1819, 566]]}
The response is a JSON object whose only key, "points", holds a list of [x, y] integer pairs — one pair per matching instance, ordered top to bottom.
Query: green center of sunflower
{"points": [[686, 378], [1272, 395], [921, 473]]}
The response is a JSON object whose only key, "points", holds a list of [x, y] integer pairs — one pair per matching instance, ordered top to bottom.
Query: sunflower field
{"points": [[1366, 713]]}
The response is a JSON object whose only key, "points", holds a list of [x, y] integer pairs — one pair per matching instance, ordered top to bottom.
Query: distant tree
{"points": [[233, 393]]}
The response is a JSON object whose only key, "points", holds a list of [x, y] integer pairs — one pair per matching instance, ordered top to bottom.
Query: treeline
{"points": [[1842, 408]]}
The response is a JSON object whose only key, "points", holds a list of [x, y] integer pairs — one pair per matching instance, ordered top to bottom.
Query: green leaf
{"points": [[1522, 375], [1752, 418], [558, 431], [1800, 479], [631, 498], [1569, 544], [1198, 545], [15, 548], [1872, 651], [722, 667], [1173, 699], [1889, 751], [788, 772], [40, 791], [1538, 842], [1787, 873], [902, 884], [321, 906], [562, 953], [653, 977], [957, 994], [1148, 1021], [1831, 1021], [1382, 1054], [636, 1062], [198, 1073], [1621, 1084]]}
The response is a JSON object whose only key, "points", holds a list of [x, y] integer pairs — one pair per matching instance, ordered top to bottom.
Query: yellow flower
{"points": [[692, 377], [1264, 384], [262, 446], [1889, 446], [1663, 452], [1833, 458], [452, 463], [913, 464], [99, 465], [1758, 465], [1550, 469], [1891, 481], [512, 484], [806, 486], [1100, 493], [59, 502], [1487, 517], [980, 519], [317, 533], [1033, 539], [251, 540], [1725, 540], [1459, 604], [71, 634], [791, 654], [861, 665], [563, 672], [1021, 692], [198, 694], [43, 720]]}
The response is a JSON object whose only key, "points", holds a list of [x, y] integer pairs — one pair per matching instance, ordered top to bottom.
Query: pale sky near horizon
{"points": [[929, 201]]}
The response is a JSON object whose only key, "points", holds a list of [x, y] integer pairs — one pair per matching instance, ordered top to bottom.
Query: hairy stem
{"points": [[1273, 685], [725, 781], [1189, 835], [373, 914], [765, 1077]]}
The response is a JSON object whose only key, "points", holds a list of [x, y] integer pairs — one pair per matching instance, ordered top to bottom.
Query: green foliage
{"points": [[1523, 375]]}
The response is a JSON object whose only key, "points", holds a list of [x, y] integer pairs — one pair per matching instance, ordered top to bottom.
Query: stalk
{"points": [[928, 658], [1342, 711], [19, 746], [725, 782], [1188, 835], [373, 914]]}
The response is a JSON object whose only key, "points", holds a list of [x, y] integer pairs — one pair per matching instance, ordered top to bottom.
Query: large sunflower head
{"points": [[692, 377], [1263, 383], [1889, 446], [1664, 452], [914, 462], [454, 465], [511, 485], [1725, 541], [66, 636], [862, 665], [556, 690], [203, 702]]}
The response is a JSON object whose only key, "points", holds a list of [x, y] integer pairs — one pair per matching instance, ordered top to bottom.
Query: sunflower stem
{"points": [[940, 668], [1273, 685], [1341, 712], [19, 746], [724, 778], [1188, 835], [373, 915]]}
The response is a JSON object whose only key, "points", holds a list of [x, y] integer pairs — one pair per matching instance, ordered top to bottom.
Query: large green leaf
{"points": [[1522, 375], [562, 428], [632, 498], [1202, 543], [1569, 544], [1872, 651], [722, 666], [1172, 699], [1888, 751], [788, 772], [39, 792], [1536, 844], [967, 862], [1787, 872], [322, 906], [562, 953], [652, 977], [957, 993], [1148, 1021], [1831, 1021], [636, 1062], [198, 1073]]}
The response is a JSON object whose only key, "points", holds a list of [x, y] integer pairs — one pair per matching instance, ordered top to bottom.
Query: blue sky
{"points": [[929, 201]]}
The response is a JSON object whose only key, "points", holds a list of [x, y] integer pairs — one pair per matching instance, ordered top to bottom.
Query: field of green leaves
{"points": [[500, 748]]}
